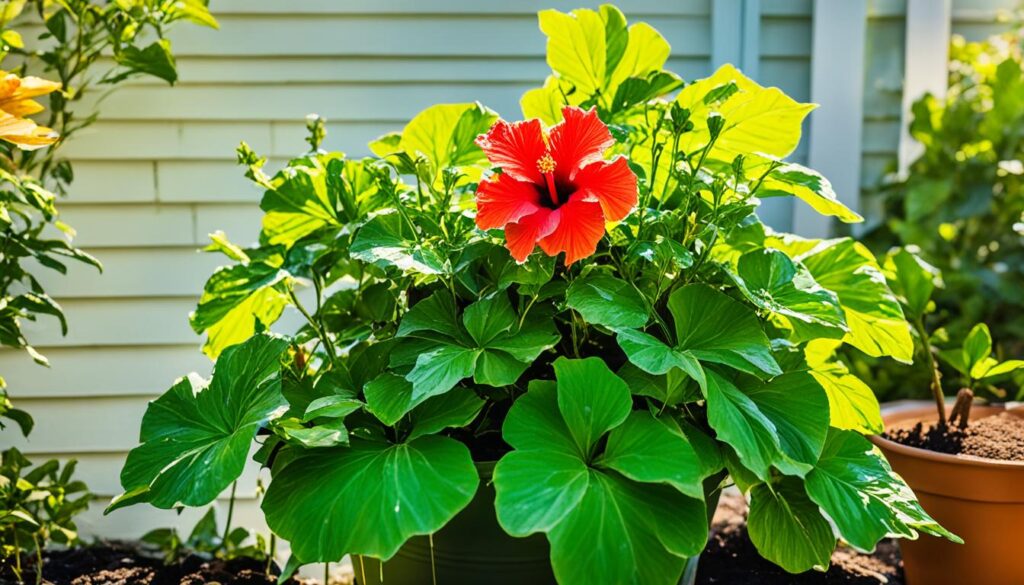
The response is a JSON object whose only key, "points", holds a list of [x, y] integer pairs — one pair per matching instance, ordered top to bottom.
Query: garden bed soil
{"points": [[999, 437], [730, 558], [114, 563]]}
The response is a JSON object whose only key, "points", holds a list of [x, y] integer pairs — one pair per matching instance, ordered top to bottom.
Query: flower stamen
{"points": [[546, 165]]}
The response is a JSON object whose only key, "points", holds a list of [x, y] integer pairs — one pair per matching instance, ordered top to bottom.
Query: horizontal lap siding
{"points": [[158, 173]]}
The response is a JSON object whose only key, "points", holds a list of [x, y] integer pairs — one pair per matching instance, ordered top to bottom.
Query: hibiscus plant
{"points": [[586, 296]]}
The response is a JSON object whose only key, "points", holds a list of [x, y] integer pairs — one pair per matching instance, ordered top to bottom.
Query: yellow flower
{"points": [[16, 102]]}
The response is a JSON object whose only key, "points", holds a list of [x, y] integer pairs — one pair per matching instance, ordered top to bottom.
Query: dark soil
{"points": [[1000, 436], [731, 559], [113, 563]]}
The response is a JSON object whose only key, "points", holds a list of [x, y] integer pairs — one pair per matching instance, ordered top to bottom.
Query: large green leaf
{"points": [[597, 60], [757, 119], [445, 134], [809, 186], [298, 204], [389, 240], [771, 280], [234, 298], [605, 300], [873, 314], [716, 328], [651, 355], [389, 397], [591, 398], [851, 403], [798, 408], [453, 409], [739, 422], [195, 439], [649, 450], [854, 486], [369, 498], [618, 517], [787, 528]]}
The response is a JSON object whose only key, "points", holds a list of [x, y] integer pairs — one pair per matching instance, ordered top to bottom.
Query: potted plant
{"points": [[537, 350], [967, 475]]}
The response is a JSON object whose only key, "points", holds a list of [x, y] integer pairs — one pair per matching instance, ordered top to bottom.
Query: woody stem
{"points": [[550, 178]]}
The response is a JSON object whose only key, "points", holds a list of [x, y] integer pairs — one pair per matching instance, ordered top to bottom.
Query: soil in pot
{"points": [[1000, 437], [730, 558], [115, 563]]}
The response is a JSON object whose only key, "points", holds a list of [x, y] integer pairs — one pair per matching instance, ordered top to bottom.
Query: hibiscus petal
{"points": [[578, 140], [515, 148], [612, 184], [502, 199], [580, 225], [521, 237]]}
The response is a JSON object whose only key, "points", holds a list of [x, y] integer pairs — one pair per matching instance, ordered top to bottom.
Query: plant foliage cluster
{"points": [[961, 204], [675, 350], [37, 504]]}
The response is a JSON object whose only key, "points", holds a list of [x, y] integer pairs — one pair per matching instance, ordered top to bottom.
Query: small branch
{"points": [[961, 413]]}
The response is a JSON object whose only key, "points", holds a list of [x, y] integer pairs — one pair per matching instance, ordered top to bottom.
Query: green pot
{"points": [[473, 549], [469, 550]]}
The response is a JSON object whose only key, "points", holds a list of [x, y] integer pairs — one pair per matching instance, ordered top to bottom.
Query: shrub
{"points": [[961, 205], [594, 303]]}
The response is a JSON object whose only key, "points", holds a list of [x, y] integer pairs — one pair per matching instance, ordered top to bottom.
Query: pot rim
{"points": [[918, 410]]}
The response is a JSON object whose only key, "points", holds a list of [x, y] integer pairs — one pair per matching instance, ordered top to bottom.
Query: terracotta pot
{"points": [[980, 500]]}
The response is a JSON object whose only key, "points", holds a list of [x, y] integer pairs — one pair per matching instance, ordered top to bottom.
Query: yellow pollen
{"points": [[546, 164]]}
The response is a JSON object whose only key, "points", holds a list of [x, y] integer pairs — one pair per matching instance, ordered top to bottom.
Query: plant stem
{"points": [[321, 333], [936, 382], [231, 513], [39, 559], [327, 573]]}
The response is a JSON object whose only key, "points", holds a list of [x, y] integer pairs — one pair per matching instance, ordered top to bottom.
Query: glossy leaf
{"points": [[605, 300], [851, 403], [739, 422], [195, 440], [402, 490], [863, 498], [787, 528]]}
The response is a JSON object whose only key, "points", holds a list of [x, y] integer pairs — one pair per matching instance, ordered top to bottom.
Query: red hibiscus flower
{"points": [[555, 189]]}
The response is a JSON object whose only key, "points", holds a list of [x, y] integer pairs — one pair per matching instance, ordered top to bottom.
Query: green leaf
{"points": [[576, 48], [156, 60], [446, 135], [809, 186], [299, 203], [388, 240], [912, 279], [771, 280], [234, 298], [605, 300], [435, 313], [873, 314], [489, 318], [716, 328], [977, 346], [654, 357], [439, 370], [671, 388], [389, 398], [591, 398], [851, 403], [337, 406], [457, 408], [798, 408], [739, 422], [535, 424], [195, 441], [649, 450], [854, 486], [537, 489], [402, 490], [602, 526], [787, 529], [623, 532]]}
